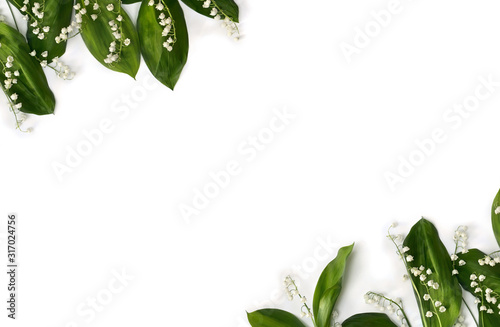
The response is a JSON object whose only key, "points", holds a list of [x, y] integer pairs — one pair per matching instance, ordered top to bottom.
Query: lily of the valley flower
{"points": [[165, 20]]}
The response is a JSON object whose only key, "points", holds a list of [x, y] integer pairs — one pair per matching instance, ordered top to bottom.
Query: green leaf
{"points": [[128, 2], [227, 8], [98, 36], [165, 65], [32, 88], [495, 217], [429, 252], [492, 281], [329, 287], [273, 318], [369, 320], [489, 320]]}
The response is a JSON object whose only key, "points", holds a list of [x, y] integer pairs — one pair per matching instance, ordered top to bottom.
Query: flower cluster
{"points": [[92, 7], [35, 14], [218, 14], [166, 22], [76, 24], [38, 29], [65, 31], [115, 47], [43, 62], [62, 71], [11, 74], [10, 79], [460, 238], [401, 250], [454, 258], [489, 260], [421, 274], [424, 277], [292, 290], [485, 295], [385, 304], [437, 304], [335, 315], [460, 322]]}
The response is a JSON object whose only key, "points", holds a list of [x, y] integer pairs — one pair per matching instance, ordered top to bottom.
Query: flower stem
{"points": [[13, 16], [173, 22], [492, 253], [415, 289], [305, 304], [400, 307], [470, 311]]}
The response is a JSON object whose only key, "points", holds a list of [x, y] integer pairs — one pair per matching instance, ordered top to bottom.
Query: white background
{"points": [[322, 178]]}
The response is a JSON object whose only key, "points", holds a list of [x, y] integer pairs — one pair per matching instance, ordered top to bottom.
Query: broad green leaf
{"points": [[127, 2], [226, 8], [157, 26], [98, 35], [31, 88], [495, 217], [428, 252], [491, 281], [329, 287], [273, 318], [369, 320], [489, 320]]}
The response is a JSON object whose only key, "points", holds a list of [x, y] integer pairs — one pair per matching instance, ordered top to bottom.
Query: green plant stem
{"points": [[221, 11], [30, 14], [13, 16], [173, 22], [72, 36], [11, 104], [492, 253], [408, 271], [432, 301], [305, 304], [396, 304], [470, 311]]}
